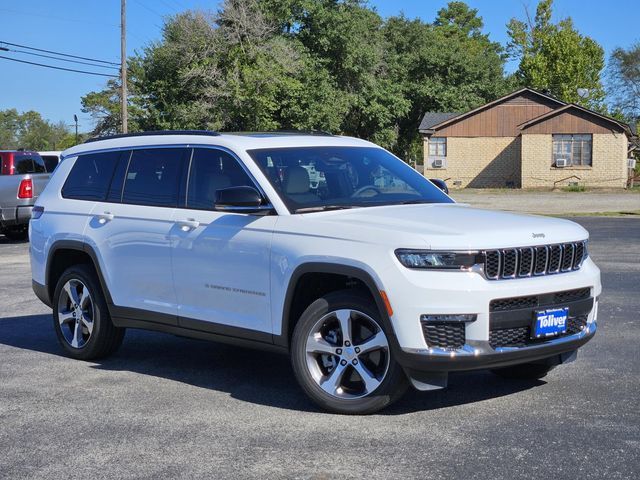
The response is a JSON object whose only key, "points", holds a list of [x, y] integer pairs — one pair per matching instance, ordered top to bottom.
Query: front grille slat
{"points": [[579, 255], [567, 256], [527, 261], [509, 263], [492, 264], [543, 300]]}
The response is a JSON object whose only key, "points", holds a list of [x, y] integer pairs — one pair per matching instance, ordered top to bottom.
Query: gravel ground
{"points": [[556, 203], [170, 407]]}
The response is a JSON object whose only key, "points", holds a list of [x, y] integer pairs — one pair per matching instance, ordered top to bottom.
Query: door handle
{"points": [[105, 217], [188, 224]]}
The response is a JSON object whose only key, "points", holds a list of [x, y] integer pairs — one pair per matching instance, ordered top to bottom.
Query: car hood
{"points": [[448, 226]]}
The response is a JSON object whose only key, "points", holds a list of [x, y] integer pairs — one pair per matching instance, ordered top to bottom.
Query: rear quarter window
{"points": [[28, 163], [90, 176]]}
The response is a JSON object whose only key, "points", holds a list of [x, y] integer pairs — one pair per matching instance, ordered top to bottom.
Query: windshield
{"points": [[322, 178]]}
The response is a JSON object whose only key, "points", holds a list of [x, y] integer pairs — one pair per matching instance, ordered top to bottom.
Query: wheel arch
{"points": [[65, 253], [359, 275]]}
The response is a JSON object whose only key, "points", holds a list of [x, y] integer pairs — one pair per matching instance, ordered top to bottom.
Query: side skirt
{"points": [[191, 328]]}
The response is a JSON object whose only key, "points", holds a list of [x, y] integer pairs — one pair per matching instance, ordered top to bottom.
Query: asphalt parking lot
{"points": [[170, 407]]}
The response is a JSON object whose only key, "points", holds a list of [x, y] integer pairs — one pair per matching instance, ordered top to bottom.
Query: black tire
{"points": [[17, 234], [105, 338], [525, 371], [393, 384]]}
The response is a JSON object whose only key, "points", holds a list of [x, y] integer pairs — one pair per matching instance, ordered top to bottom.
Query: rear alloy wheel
{"points": [[75, 313], [81, 318], [342, 358]]}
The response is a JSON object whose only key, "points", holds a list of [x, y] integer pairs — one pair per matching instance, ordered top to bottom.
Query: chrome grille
{"points": [[527, 261]]}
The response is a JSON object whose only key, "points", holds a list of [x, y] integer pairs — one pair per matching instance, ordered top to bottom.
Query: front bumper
{"points": [[441, 293], [477, 355]]}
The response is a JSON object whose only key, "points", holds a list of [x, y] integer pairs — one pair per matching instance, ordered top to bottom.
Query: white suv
{"points": [[369, 285]]}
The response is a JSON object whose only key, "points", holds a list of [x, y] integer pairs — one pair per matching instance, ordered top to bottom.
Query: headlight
{"points": [[430, 259]]}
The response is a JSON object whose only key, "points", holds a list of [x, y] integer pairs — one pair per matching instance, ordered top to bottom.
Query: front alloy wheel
{"points": [[347, 354], [341, 355]]}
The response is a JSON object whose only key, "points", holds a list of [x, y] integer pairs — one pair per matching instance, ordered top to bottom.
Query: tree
{"points": [[459, 18], [557, 58], [331, 65], [448, 66], [624, 81], [9, 126], [29, 130]]}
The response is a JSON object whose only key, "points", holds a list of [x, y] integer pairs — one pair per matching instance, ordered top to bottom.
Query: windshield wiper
{"points": [[411, 202], [323, 208]]}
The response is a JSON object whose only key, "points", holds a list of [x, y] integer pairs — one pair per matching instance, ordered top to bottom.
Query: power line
{"points": [[170, 6], [148, 8], [62, 19], [59, 53], [61, 59], [59, 68]]}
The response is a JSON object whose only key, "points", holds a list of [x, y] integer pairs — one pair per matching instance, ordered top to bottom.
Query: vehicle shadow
{"points": [[4, 240], [249, 375]]}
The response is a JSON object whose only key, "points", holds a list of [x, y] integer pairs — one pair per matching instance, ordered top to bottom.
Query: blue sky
{"points": [[91, 28]]}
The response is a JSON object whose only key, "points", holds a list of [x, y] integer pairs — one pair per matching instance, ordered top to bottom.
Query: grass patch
{"points": [[576, 187], [627, 213]]}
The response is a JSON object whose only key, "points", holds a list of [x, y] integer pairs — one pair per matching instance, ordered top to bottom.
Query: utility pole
{"points": [[123, 64], [75, 119]]}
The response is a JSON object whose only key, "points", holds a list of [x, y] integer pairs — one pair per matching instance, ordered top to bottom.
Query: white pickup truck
{"points": [[23, 175]]}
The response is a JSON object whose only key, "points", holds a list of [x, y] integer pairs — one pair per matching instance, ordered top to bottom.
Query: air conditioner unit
{"points": [[561, 162], [437, 163], [631, 163]]}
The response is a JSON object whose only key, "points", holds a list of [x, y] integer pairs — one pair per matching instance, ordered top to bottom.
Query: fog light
{"points": [[457, 317]]}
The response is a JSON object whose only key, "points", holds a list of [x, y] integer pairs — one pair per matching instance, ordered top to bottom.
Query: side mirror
{"points": [[440, 184], [242, 199]]}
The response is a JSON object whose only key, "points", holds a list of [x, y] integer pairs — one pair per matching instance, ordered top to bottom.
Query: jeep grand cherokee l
{"points": [[368, 285]]}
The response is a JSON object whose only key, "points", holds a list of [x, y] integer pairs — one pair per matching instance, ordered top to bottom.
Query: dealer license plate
{"points": [[550, 322]]}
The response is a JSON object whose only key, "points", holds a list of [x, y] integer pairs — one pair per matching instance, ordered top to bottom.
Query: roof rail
{"points": [[154, 132], [304, 132], [262, 133]]}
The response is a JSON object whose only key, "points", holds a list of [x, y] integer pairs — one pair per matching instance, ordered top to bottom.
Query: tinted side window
{"points": [[51, 162], [23, 164], [38, 165], [212, 170], [90, 176], [153, 177], [117, 182]]}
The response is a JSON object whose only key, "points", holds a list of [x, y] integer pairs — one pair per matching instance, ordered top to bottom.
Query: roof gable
{"points": [[518, 97], [572, 108]]}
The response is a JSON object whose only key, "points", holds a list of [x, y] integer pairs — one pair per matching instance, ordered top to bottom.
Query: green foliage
{"points": [[557, 58], [331, 65], [624, 82], [30, 131], [574, 187]]}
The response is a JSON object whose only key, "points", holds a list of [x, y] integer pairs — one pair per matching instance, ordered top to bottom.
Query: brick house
{"points": [[526, 139]]}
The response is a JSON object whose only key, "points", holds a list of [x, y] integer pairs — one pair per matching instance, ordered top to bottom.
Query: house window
{"points": [[438, 147], [576, 149]]}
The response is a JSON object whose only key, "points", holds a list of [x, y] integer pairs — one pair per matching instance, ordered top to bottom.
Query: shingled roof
{"points": [[431, 119]]}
